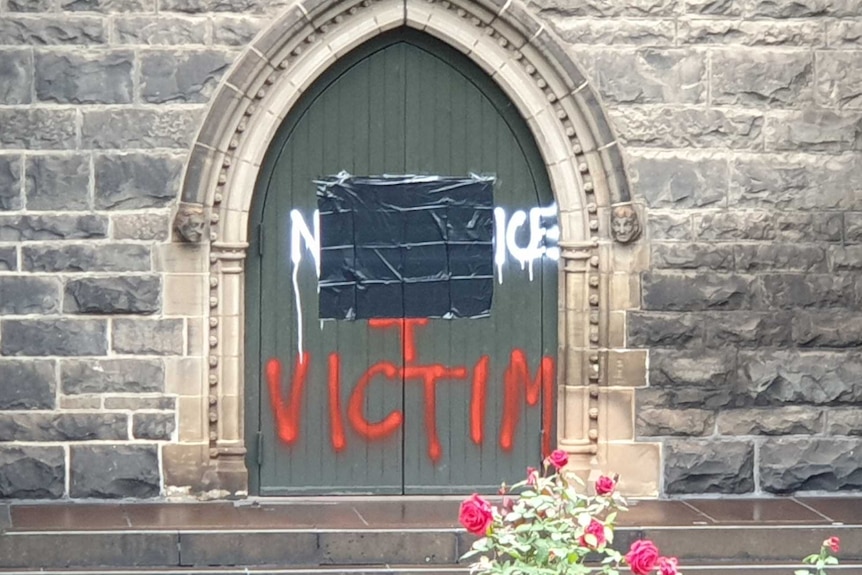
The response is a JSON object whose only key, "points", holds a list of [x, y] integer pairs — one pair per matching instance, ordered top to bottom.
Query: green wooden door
{"points": [[346, 406]]}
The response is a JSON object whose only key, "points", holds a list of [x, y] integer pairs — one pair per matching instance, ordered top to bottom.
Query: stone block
{"points": [[29, 5], [108, 5], [236, 6], [714, 7], [653, 8], [804, 8], [44, 30], [159, 30], [236, 31], [616, 32], [750, 33], [844, 34], [187, 76], [651, 76], [16, 77], [84, 77], [762, 78], [666, 127], [37, 128], [129, 128], [814, 130], [679, 180], [131, 181], [57, 182], [796, 182], [10, 183], [735, 225], [141, 226], [669, 226], [59, 227], [809, 227], [853, 227], [691, 256], [780, 256], [8, 258], [87, 258], [846, 258], [796, 290], [674, 291], [130, 294], [22, 295], [747, 328], [827, 329], [675, 330], [66, 337], [148, 337], [81, 376], [784, 377], [690, 379], [27, 384], [80, 402], [136, 403], [791, 420], [846, 421], [674, 422], [63, 426], [155, 426], [788, 465], [708, 467], [114, 471], [31, 472], [261, 548], [416, 548], [69, 549]]}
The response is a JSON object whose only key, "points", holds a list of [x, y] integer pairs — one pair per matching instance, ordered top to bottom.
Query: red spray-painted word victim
{"points": [[516, 381]]}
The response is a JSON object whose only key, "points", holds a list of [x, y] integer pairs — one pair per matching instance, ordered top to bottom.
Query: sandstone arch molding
{"points": [[596, 375]]}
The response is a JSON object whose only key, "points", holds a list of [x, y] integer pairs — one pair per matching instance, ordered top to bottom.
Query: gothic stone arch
{"points": [[600, 259]]}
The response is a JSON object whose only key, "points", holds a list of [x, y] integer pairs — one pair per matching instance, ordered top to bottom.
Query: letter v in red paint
{"points": [[287, 415]]}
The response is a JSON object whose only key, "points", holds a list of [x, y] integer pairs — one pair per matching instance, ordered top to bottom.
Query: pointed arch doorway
{"points": [[406, 397]]}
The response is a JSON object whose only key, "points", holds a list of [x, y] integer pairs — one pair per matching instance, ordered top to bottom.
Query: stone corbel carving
{"points": [[190, 223], [625, 226]]}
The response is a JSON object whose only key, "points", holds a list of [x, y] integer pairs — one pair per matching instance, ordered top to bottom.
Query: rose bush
{"points": [[545, 525]]}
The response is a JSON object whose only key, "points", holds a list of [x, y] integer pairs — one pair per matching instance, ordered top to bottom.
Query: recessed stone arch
{"points": [[583, 160]]}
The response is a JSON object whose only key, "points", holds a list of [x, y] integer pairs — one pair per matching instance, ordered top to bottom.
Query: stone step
{"points": [[170, 549], [696, 569]]}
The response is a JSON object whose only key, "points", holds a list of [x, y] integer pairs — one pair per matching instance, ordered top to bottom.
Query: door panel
{"points": [[403, 104]]}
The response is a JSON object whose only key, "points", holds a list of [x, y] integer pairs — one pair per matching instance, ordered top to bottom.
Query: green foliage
{"points": [[544, 530]]}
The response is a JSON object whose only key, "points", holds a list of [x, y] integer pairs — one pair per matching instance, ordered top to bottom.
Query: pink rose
{"points": [[558, 458], [532, 476], [605, 485], [475, 514], [596, 529], [833, 544], [642, 557], [668, 566]]}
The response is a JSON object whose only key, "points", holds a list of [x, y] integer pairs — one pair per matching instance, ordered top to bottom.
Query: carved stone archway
{"points": [[598, 274]]}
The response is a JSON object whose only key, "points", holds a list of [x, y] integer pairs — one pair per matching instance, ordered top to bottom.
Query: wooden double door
{"points": [[376, 401]]}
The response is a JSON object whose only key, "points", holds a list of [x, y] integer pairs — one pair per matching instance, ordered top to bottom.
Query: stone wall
{"points": [[739, 120]]}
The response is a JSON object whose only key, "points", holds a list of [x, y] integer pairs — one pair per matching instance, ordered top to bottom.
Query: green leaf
{"points": [[591, 540], [831, 560], [802, 572]]}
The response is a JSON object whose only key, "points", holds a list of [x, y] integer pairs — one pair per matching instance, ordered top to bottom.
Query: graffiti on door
{"points": [[517, 383]]}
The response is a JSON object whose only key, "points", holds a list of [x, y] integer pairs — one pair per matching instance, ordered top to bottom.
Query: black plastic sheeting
{"points": [[406, 246]]}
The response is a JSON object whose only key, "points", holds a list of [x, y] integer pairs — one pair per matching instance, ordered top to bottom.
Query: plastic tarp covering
{"points": [[406, 246]]}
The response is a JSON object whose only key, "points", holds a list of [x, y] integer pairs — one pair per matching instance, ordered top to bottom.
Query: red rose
{"points": [[558, 458], [532, 476], [605, 485], [475, 515], [597, 529], [833, 543], [642, 557], [668, 566]]}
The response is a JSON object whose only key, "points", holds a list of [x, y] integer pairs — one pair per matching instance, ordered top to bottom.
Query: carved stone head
{"points": [[190, 223], [625, 226]]}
